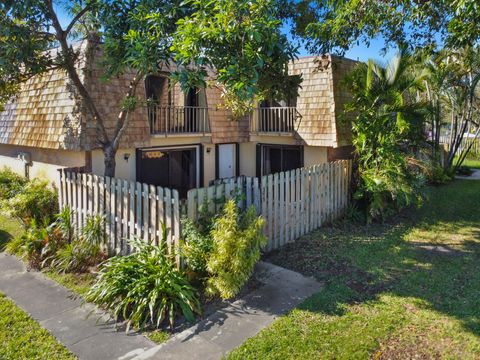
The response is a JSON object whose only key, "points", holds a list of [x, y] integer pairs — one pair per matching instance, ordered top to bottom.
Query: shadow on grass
{"points": [[5, 237], [431, 254]]}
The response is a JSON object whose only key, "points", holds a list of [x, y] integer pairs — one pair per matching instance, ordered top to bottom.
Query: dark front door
{"points": [[172, 168]]}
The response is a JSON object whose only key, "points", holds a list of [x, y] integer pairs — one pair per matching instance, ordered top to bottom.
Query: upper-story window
{"points": [[158, 90], [172, 111], [277, 116]]}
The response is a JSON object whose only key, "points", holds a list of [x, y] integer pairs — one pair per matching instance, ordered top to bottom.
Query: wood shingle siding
{"points": [[321, 100], [48, 114]]}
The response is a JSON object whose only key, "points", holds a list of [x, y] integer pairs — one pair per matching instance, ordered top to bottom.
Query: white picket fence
{"points": [[246, 189], [292, 203], [131, 209]]}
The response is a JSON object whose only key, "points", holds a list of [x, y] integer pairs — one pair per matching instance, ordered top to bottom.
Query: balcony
{"points": [[178, 120], [275, 120]]}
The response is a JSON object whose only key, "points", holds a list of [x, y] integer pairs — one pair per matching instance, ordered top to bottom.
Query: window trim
{"points": [[260, 149], [198, 159]]}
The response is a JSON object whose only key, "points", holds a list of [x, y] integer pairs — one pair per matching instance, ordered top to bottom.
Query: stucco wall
{"points": [[312, 155], [248, 159], [45, 162]]}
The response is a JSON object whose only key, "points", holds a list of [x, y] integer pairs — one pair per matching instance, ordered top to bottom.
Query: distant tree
{"points": [[337, 25], [241, 40]]}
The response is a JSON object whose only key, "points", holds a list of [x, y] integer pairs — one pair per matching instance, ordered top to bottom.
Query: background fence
{"points": [[466, 141], [292, 203]]}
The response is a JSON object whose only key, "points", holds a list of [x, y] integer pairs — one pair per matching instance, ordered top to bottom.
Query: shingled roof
{"points": [[46, 113]]}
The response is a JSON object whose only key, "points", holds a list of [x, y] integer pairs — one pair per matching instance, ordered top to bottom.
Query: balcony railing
{"points": [[171, 120], [275, 120]]}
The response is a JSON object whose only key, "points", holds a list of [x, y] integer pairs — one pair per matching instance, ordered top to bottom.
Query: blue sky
{"points": [[358, 52]]}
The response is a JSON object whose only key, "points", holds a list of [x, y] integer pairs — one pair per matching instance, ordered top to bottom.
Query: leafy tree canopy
{"points": [[329, 25], [241, 40], [244, 42], [238, 43]]}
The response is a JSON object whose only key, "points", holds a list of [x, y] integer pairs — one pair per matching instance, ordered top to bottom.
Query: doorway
{"points": [[226, 160], [174, 168]]}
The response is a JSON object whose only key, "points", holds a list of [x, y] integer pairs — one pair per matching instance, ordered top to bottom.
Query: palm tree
{"points": [[387, 125]]}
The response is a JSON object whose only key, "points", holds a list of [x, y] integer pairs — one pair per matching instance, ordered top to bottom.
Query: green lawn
{"points": [[472, 163], [8, 229], [409, 289], [22, 338]]}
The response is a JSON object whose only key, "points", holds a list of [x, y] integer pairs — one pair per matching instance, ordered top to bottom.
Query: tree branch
{"points": [[76, 18], [69, 65], [124, 116]]}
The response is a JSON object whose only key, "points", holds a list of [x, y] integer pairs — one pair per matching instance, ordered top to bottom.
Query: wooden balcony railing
{"points": [[170, 120], [275, 120]]}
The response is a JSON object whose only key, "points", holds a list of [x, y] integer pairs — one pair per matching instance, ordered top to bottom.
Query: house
{"points": [[179, 140]]}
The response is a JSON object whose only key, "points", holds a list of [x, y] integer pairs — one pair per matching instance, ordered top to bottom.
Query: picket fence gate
{"points": [[292, 203]]}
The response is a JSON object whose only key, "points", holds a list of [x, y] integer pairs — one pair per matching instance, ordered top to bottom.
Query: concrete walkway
{"points": [[474, 176], [64, 316], [228, 328]]}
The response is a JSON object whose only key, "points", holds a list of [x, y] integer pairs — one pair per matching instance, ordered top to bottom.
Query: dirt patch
{"points": [[417, 344]]}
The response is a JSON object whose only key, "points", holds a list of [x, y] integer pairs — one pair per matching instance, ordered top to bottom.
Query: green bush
{"points": [[10, 183], [385, 191], [37, 201], [237, 241], [29, 246], [56, 246], [196, 246], [83, 252], [77, 256], [144, 288]]}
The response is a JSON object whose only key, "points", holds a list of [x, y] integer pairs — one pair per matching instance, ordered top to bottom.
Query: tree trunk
{"points": [[109, 160]]}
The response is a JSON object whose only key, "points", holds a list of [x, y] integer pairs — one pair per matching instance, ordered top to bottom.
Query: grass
{"points": [[472, 163], [9, 228], [77, 283], [408, 289], [22, 338]]}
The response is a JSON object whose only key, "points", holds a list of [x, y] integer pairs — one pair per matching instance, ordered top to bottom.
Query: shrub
{"points": [[10, 183], [385, 191], [37, 202], [64, 223], [237, 240], [29, 245], [55, 245], [196, 246], [85, 251], [77, 256], [144, 288]]}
